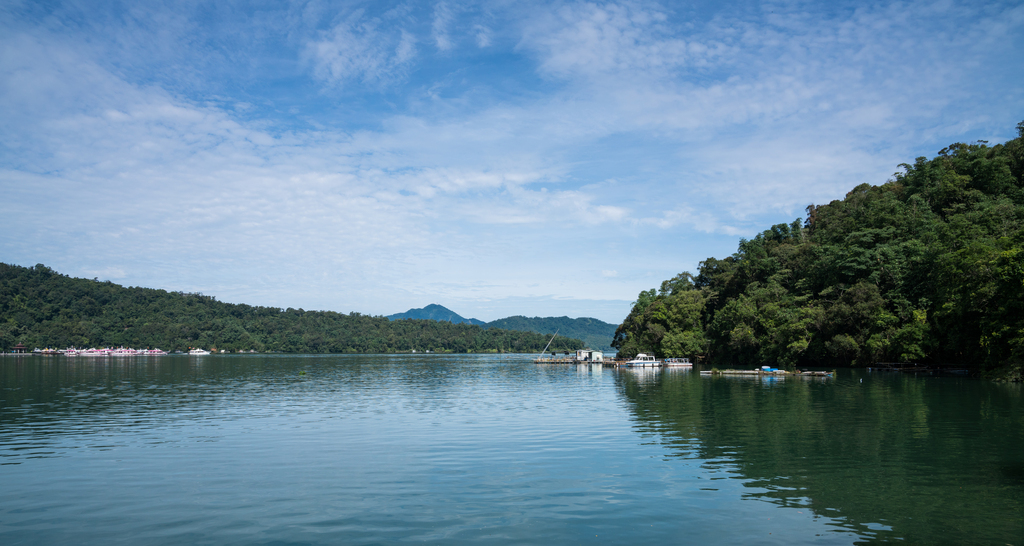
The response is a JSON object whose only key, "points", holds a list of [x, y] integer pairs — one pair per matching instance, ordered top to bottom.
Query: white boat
{"points": [[123, 351], [94, 352], [152, 352], [198, 352], [643, 361], [678, 362]]}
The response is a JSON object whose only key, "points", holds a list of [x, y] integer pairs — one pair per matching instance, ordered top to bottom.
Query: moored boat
{"points": [[123, 351], [198, 351], [94, 352], [152, 352], [643, 361], [677, 362]]}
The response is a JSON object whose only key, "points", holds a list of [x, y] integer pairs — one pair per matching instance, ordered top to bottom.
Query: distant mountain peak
{"points": [[435, 312], [595, 333]]}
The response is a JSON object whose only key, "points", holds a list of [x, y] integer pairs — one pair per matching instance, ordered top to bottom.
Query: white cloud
{"points": [[442, 20], [483, 36], [587, 39], [364, 49], [769, 112], [648, 137], [112, 273]]}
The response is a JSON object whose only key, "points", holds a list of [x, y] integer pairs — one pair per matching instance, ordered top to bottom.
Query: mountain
{"points": [[40, 307], [435, 312], [596, 334]]}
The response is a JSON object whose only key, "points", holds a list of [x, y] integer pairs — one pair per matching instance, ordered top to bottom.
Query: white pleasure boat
{"points": [[123, 351], [152, 352], [643, 361]]}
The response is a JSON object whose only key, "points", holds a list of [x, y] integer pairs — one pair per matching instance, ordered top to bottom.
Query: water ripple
{"points": [[459, 449]]}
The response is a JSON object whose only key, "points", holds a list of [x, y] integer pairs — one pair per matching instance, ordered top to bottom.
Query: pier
{"points": [[769, 373]]}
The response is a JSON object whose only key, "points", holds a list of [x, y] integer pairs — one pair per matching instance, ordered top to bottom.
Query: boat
{"points": [[123, 351], [94, 352], [152, 352], [198, 352], [643, 361], [677, 362]]}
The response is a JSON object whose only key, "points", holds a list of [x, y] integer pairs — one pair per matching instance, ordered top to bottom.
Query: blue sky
{"points": [[498, 158]]}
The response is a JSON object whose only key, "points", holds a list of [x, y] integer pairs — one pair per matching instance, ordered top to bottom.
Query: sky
{"points": [[498, 158]]}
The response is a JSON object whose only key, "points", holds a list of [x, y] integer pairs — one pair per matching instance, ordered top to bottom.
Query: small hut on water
{"points": [[589, 355]]}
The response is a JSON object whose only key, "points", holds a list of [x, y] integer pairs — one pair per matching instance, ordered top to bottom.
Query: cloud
{"points": [[443, 17], [483, 35], [591, 40], [362, 49], [742, 68], [768, 110], [633, 134], [160, 176], [110, 273]]}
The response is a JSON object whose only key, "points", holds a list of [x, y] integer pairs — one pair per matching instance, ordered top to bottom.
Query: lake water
{"points": [[282, 449]]}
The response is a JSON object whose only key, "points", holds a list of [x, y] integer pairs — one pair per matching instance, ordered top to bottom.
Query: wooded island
{"points": [[928, 267]]}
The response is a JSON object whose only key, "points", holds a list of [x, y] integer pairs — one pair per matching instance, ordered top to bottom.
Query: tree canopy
{"points": [[927, 267], [42, 308], [596, 334]]}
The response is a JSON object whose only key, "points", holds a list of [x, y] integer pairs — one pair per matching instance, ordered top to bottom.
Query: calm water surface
{"points": [[473, 449]]}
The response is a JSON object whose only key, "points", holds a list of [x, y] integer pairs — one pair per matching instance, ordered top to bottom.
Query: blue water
{"points": [[275, 449]]}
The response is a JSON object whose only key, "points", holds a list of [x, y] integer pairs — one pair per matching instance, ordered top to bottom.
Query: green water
{"points": [[496, 449], [891, 456]]}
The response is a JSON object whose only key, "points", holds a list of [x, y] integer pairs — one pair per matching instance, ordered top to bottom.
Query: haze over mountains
{"points": [[595, 333]]}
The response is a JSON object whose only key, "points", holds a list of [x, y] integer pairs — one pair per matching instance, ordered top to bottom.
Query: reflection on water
{"points": [[381, 449], [886, 456]]}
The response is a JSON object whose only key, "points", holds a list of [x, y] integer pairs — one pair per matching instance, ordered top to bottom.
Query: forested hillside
{"points": [[927, 267], [42, 308], [436, 312], [595, 334]]}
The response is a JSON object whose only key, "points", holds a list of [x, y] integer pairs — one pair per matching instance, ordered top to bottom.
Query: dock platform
{"points": [[774, 373]]}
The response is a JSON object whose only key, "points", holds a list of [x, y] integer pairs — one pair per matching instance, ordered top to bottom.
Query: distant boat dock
{"points": [[582, 356], [588, 356], [768, 372]]}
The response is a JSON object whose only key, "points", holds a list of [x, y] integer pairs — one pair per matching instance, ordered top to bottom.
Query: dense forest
{"points": [[927, 267], [42, 308], [596, 334]]}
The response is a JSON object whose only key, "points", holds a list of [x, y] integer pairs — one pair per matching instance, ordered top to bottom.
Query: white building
{"points": [[588, 355]]}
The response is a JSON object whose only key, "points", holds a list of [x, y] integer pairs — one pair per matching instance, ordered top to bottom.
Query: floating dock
{"points": [[582, 356], [553, 360], [573, 360], [907, 367], [769, 373]]}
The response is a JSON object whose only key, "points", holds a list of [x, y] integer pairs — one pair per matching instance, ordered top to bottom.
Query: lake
{"points": [[458, 449]]}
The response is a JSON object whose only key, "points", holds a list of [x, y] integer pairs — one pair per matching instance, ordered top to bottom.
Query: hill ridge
{"points": [[40, 307], [436, 312], [595, 333]]}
